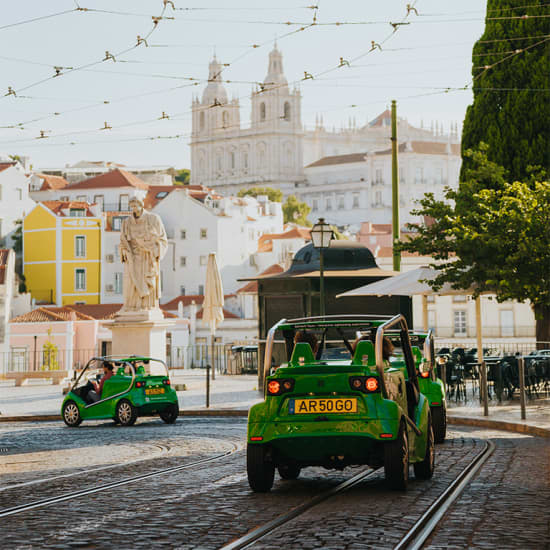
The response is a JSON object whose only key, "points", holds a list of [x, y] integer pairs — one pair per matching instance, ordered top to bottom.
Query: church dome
{"points": [[215, 91], [340, 256]]}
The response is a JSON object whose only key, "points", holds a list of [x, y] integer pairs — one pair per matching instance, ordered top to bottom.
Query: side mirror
{"points": [[441, 359]]}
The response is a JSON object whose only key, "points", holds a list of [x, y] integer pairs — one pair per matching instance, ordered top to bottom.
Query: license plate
{"points": [[154, 391], [335, 406]]}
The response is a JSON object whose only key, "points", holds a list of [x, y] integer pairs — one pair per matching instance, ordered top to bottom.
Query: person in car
{"points": [[308, 337], [387, 346], [95, 393]]}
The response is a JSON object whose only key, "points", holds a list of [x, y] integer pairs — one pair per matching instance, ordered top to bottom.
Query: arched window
{"points": [[262, 111], [286, 114], [225, 119], [201, 123], [289, 157], [245, 159], [232, 160], [219, 161]]}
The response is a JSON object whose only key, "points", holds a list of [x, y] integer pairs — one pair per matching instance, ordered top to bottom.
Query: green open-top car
{"points": [[139, 386], [339, 405]]}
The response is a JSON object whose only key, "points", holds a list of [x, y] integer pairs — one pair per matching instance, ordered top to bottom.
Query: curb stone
{"points": [[499, 425]]}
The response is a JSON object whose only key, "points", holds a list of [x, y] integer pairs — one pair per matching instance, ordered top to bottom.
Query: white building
{"points": [[349, 189], [15, 202], [197, 222], [279, 248]]}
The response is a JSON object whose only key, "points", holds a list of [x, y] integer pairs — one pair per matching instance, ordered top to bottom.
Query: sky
{"points": [[127, 97]]}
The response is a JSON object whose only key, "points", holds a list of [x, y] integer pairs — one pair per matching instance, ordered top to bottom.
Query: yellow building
{"points": [[62, 252]]}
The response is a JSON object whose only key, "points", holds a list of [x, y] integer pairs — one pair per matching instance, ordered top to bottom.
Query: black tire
{"points": [[170, 413], [71, 414], [126, 414], [439, 418], [396, 460], [425, 469], [289, 471], [260, 472]]}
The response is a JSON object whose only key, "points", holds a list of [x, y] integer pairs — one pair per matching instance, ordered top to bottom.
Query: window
{"points": [[262, 111], [286, 113], [201, 118], [225, 119], [232, 160], [245, 160], [219, 162], [419, 174], [439, 175], [378, 178], [19, 194], [161, 194], [82, 198], [378, 198], [64, 199], [98, 199], [355, 200], [123, 203], [328, 203], [341, 204], [315, 205], [76, 212], [117, 223], [183, 234], [204, 234], [80, 246], [117, 252], [203, 260], [183, 261], [80, 279], [118, 283], [201, 290], [182, 291], [431, 298], [460, 298], [459, 318], [506, 322]]}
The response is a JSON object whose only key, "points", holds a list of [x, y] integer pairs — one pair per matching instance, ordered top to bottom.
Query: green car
{"points": [[428, 383], [140, 386], [339, 406]]}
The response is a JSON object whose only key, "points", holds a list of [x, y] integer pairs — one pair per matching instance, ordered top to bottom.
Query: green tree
{"points": [[511, 110], [181, 177], [274, 195], [295, 211], [491, 234], [17, 237], [49, 354]]}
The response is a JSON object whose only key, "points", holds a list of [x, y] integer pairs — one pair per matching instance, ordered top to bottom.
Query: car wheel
{"points": [[126, 413], [170, 413], [71, 414], [439, 417], [396, 460], [425, 469], [289, 471], [260, 472]]}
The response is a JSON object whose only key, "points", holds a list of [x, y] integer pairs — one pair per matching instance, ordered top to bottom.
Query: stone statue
{"points": [[143, 244]]}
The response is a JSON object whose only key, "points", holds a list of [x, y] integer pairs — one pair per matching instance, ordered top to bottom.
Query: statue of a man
{"points": [[143, 244]]}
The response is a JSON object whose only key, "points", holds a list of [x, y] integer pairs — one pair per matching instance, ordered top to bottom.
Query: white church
{"points": [[344, 174]]}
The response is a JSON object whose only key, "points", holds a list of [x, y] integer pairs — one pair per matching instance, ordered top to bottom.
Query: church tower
{"points": [[214, 118]]}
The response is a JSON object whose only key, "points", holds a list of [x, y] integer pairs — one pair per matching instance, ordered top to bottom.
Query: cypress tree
{"points": [[511, 110]]}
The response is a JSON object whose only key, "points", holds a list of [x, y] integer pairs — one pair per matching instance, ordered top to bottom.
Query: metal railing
{"points": [[489, 331], [41, 360]]}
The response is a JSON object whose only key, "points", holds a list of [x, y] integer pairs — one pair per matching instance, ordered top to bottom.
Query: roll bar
{"points": [[269, 347]]}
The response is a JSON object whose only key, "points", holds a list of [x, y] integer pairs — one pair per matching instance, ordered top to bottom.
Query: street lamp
{"points": [[321, 235]]}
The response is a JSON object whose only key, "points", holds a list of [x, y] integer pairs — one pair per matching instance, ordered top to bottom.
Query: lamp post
{"points": [[321, 235]]}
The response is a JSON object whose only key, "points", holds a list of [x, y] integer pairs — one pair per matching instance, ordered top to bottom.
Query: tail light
{"points": [[424, 374], [166, 381], [140, 384], [365, 384], [277, 387]]}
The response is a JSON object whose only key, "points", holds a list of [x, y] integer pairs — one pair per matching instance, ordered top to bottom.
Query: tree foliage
{"points": [[511, 110], [181, 177], [274, 195], [295, 211], [491, 234]]}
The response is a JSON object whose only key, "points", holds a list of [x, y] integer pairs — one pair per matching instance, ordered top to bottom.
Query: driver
{"points": [[308, 337], [95, 394]]}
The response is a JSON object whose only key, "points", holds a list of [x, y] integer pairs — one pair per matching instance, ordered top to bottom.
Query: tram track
{"points": [[107, 486], [415, 536]]}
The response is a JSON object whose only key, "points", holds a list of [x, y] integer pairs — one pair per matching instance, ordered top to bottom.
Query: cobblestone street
{"points": [[209, 504]]}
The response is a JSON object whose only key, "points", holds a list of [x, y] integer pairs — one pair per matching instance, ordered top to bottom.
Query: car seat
{"points": [[364, 348], [301, 354], [417, 355], [140, 370], [120, 371]]}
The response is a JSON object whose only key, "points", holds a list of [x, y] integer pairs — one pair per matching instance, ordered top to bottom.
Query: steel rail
{"points": [[70, 496], [266, 528], [421, 530]]}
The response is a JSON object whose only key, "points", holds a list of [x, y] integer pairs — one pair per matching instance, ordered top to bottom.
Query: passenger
{"points": [[308, 337], [387, 350], [95, 394]]}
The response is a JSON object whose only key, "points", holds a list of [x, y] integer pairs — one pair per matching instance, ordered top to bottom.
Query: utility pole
{"points": [[395, 188]]}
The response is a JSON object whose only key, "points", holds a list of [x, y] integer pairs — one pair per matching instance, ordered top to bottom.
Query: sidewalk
{"points": [[239, 393]]}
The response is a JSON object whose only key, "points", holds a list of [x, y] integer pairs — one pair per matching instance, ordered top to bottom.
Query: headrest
{"points": [[365, 348], [302, 354], [417, 354], [140, 370], [120, 371]]}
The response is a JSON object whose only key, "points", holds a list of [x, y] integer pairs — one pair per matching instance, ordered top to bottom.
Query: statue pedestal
{"points": [[139, 333]]}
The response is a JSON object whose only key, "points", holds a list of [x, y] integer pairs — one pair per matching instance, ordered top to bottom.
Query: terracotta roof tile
{"points": [[383, 119], [424, 148], [339, 159], [6, 165], [114, 178], [50, 182], [152, 198], [57, 207], [265, 242], [4, 254], [2, 274], [252, 286], [187, 300], [226, 315]]}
